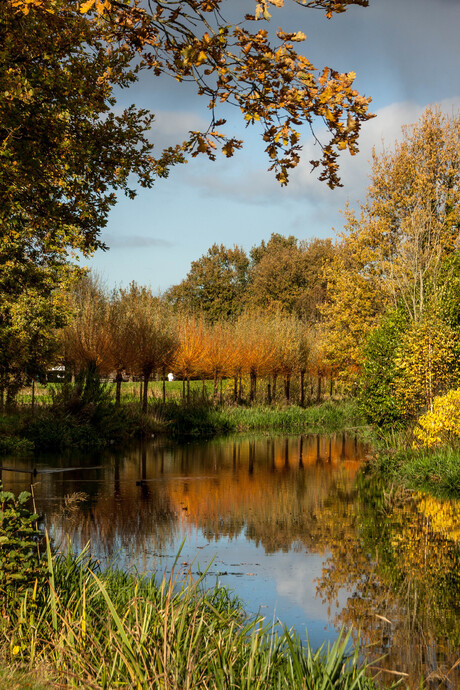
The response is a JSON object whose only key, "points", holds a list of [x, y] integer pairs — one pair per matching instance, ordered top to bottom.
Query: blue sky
{"points": [[406, 55]]}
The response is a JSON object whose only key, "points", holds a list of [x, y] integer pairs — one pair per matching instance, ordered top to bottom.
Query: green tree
{"points": [[64, 150], [288, 274], [215, 284], [377, 399]]}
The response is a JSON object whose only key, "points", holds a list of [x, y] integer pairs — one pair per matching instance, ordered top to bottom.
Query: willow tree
{"points": [[151, 331], [286, 336], [85, 339], [258, 347], [217, 352], [188, 358]]}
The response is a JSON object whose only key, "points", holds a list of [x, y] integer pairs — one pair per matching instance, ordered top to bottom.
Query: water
{"points": [[290, 524]]}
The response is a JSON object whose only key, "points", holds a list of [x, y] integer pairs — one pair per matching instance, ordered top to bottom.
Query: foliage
{"points": [[232, 63], [410, 222], [399, 252], [287, 275], [215, 284], [449, 290], [354, 306], [85, 340], [426, 363], [377, 399], [82, 415], [441, 425], [14, 445], [22, 568]]}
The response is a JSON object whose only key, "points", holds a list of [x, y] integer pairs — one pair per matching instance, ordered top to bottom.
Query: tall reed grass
{"points": [[107, 630]]}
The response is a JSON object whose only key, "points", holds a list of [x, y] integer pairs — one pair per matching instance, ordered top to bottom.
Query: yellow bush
{"points": [[440, 425]]}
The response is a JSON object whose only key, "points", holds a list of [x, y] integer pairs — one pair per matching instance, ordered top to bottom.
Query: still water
{"points": [[291, 524]]}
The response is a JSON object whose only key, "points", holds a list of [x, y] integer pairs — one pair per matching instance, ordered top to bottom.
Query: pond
{"points": [[291, 524]]}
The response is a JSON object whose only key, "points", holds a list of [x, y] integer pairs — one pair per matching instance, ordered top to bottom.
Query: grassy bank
{"points": [[80, 418], [199, 419], [435, 471], [112, 630]]}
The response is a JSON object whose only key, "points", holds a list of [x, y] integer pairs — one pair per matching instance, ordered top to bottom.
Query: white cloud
{"points": [[172, 127], [253, 185]]}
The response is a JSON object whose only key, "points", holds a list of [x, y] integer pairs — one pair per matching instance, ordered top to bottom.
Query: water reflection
{"points": [[294, 527]]}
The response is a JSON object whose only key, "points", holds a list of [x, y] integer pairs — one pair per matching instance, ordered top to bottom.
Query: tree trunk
{"points": [[275, 377], [118, 381], [164, 385], [287, 387], [216, 388], [302, 388], [331, 388], [188, 389], [235, 389], [146, 390], [221, 390], [253, 390], [318, 390], [140, 391], [269, 392], [33, 394]]}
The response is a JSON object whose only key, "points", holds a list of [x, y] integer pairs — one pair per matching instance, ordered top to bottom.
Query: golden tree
{"points": [[394, 254], [152, 333], [85, 339], [258, 347], [188, 358], [427, 364]]}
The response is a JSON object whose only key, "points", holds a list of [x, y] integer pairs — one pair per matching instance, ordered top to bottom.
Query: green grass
{"points": [[201, 419], [72, 420], [433, 471], [90, 629]]}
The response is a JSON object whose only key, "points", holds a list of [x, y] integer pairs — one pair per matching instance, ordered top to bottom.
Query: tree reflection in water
{"points": [[391, 560]]}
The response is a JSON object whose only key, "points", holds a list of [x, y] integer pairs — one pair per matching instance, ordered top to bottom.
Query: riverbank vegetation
{"points": [[67, 623]]}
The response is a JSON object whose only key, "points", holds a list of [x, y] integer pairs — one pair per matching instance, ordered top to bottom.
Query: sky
{"points": [[406, 55]]}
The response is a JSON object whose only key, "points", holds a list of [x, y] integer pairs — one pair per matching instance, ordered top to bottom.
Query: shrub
{"points": [[376, 398], [442, 424], [21, 565]]}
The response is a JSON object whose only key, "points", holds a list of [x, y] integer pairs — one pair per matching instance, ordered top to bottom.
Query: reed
{"points": [[113, 629]]}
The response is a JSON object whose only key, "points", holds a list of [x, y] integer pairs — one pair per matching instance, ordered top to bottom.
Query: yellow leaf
{"points": [[86, 6]]}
